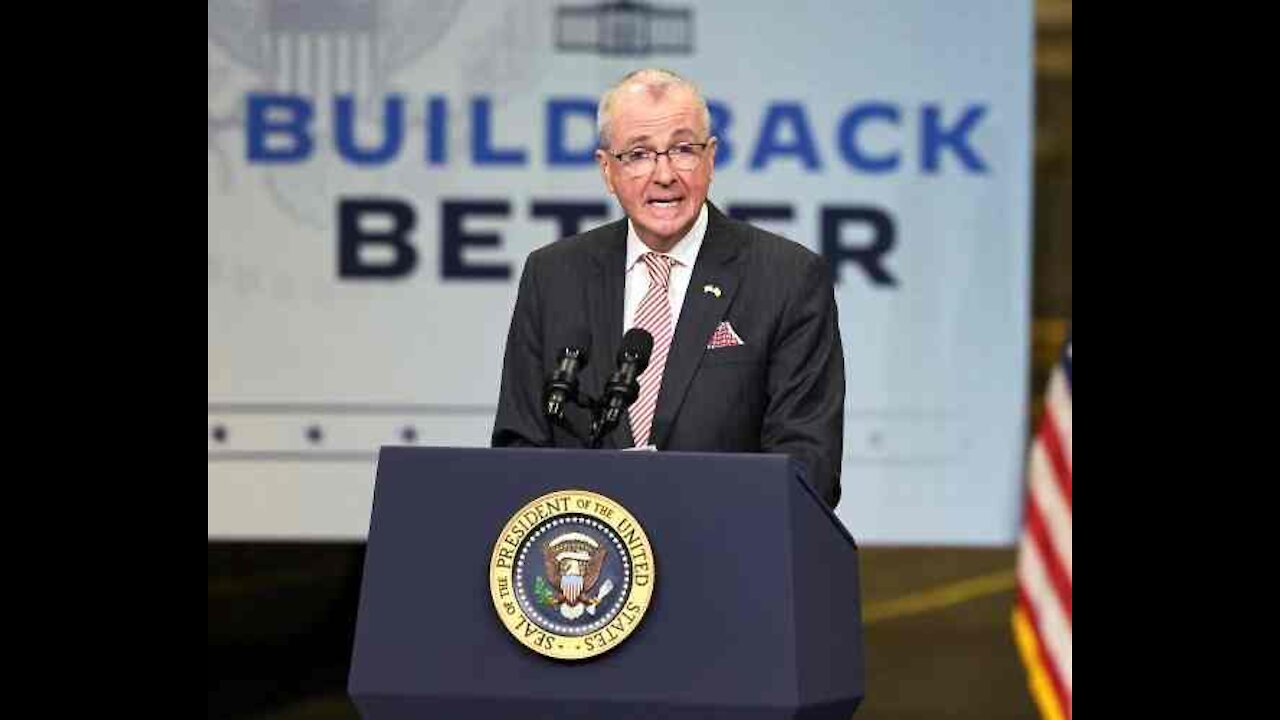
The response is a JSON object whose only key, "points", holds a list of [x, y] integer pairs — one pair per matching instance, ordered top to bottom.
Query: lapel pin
{"points": [[711, 290]]}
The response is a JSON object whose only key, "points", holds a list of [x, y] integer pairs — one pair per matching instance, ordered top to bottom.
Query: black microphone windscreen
{"points": [[639, 342]]}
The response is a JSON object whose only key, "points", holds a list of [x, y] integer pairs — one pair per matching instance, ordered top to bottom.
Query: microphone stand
{"points": [[620, 389], [591, 405], [598, 427], [598, 431]]}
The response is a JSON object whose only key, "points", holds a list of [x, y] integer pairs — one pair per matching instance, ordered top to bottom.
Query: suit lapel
{"points": [[605, 297], [701, 313]]}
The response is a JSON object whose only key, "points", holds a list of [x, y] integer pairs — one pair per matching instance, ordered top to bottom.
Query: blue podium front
{"points": [[754, 613]]}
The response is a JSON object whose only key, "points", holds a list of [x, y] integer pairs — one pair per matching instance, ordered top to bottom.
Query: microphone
{"points": [[562, 386], [622, 388]]}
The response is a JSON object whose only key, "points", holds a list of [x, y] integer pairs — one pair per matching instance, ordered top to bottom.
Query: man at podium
{"points": [[746, 353]]}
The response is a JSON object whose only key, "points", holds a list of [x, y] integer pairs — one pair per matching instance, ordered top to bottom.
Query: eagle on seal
{"points": [[573, 563]]}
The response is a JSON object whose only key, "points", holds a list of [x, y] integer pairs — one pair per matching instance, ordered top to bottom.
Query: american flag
{"points": [[1042, 614]]}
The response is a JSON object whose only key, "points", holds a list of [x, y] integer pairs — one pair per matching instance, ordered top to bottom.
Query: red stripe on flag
{"points": [[1057, 457], [1049, 556], [1046, 660]]}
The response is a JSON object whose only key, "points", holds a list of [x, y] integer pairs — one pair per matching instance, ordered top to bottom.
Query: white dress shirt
{"points": [[685, 253]]}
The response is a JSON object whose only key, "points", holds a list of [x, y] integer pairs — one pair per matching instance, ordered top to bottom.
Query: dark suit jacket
{"points": [[782, 391]]}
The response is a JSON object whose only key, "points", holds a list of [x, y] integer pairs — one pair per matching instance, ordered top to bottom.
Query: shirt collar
{"points": [[685, 252]]}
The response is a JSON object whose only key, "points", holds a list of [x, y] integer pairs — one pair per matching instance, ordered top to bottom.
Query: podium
{"points": [[755, 609]]}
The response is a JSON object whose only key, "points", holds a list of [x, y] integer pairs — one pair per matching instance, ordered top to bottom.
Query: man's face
{"points": [[664, 203]]}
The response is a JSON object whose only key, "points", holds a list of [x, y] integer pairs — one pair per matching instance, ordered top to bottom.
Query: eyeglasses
{"points": [[639, 162]]}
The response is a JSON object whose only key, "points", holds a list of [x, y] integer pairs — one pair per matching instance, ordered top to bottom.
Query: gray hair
{"points": [[658, 81]]}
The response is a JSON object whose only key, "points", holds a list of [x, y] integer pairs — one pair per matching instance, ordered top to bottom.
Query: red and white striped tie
{"points": [[653, 315]]}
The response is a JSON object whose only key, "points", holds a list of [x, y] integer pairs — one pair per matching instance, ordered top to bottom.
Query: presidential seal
{"points": [[571, 575]]}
